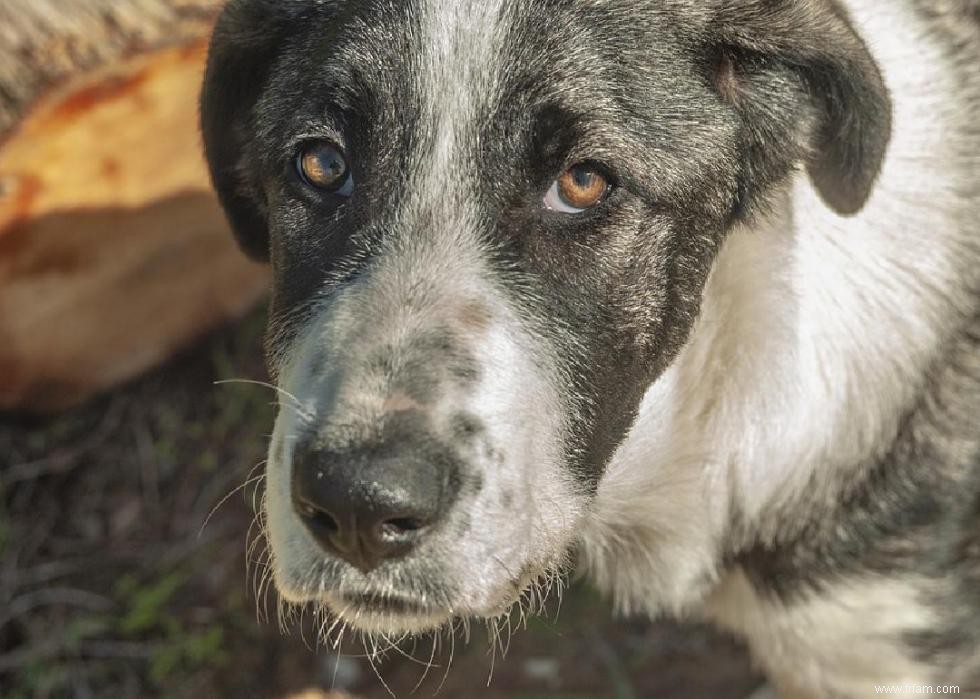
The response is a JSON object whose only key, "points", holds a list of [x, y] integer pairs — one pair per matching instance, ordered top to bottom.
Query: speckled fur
{"points": [[752, 374]]}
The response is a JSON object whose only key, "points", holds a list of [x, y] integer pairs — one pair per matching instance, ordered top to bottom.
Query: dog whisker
{"points": [[294, 402], [230, 494], [428, 666], [377, 672]]}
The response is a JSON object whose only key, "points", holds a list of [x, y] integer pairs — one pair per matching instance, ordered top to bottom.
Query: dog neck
{"points": [[816, 336]]}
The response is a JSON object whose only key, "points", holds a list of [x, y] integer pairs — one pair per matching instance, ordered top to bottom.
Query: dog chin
{"points": [[390, 615], [381, 616], [387, 616]]}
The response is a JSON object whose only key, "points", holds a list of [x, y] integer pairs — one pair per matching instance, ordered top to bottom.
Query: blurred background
{"points": [[131, 444]]}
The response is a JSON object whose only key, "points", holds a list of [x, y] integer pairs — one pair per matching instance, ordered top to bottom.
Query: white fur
{"points": [[462, 48], [433, 279], [811, 326], [506, 548], [840, 643]]}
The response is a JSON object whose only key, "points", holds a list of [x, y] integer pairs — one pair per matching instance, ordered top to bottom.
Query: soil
{"points": [[123, 529]]}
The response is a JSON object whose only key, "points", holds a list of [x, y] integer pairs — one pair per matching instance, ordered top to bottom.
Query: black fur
{"points": [[699, 112], [621, 283]]}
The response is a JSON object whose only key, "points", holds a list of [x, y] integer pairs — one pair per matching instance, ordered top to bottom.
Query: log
{"points": [[114, 254]]}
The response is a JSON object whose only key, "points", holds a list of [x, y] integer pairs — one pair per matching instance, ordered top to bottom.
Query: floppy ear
{"points": [[244, 44], [807, 89]]}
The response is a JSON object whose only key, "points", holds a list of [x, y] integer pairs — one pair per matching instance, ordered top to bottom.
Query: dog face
{"points": [[489, 225]]}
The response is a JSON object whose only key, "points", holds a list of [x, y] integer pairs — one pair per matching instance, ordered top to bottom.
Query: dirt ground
{"points": [[111, 584]]}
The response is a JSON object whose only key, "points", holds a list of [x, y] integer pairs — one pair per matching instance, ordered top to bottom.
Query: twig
{"points": [[63, 459], [66, 596]]}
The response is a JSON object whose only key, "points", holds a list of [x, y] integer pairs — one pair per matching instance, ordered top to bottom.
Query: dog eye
{"points": [[322, 165], [580, 187]]}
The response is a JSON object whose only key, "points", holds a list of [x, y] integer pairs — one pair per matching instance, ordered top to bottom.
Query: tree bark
{"points": [[113, 251]]}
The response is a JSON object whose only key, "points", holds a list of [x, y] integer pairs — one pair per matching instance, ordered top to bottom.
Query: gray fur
{"points": [[745, 386]]}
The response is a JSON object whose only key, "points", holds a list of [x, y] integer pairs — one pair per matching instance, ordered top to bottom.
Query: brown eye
{"points": [[322, 165], [580, 187]]}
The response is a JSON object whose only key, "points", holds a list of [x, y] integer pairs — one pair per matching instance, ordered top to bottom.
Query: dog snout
{"points": [[367, 508]]}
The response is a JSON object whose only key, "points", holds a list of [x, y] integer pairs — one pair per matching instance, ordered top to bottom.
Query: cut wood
{"points": [[43, 42], [113, 251]]}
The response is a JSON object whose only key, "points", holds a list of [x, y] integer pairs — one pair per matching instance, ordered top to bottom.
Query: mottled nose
{"points": [[366, 508]]}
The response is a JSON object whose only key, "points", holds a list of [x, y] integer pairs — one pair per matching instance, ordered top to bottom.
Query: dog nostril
{"points": [[320, 519], [400, 527]]}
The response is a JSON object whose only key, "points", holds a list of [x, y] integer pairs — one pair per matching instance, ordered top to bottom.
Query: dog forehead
{"points": [[435, 39], [462, 49], [462, 59], [457, 61], [427, 66], [460, 94]]}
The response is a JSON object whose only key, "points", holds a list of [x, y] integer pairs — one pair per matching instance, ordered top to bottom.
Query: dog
{"points": [[683, 292]]}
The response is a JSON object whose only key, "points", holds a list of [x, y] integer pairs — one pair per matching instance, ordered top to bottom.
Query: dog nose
{"points": [[366, 510]]}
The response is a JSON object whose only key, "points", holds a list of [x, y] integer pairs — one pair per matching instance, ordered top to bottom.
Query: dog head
{"points": [[489, 225]]}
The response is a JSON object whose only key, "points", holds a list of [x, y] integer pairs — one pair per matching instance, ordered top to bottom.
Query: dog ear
{"points": [[244, 44], [806, 88]]}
